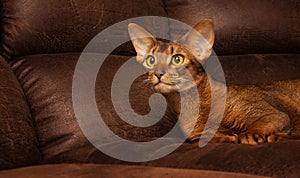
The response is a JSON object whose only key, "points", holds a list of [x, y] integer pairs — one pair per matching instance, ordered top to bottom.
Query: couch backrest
{"points": [[55, 26], [244, 26]]}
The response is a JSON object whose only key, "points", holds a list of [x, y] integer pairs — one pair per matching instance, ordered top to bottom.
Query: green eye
{"points": [[177, 60], [150, 61]]}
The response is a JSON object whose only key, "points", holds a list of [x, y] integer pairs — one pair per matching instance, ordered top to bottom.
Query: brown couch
{"points": [[256, 41]]}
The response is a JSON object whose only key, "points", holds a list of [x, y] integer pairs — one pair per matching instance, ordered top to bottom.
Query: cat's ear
{"points": [[200, 39], [142, 40]]}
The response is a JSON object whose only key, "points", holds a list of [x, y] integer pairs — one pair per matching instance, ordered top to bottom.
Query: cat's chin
{"points": [[165, 88], [169, 88]]}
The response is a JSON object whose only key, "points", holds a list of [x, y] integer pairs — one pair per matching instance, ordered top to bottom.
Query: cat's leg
{"points": [[265, 128], [262, 130], [223, 135], [218, 138], [224, 138]]}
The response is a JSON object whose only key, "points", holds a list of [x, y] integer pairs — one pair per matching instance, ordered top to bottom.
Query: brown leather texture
{"points": [[55, 26], [243, 27], [256, 42], [255, 68], [47, 84], [18, 143], [274, 159], [105, 170]]}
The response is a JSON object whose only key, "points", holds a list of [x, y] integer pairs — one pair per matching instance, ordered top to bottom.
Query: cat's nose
{"points": [[159, 74]]}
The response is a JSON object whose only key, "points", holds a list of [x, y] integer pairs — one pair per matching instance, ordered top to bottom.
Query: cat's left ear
{"points": [[200, 39], [142, 40]]}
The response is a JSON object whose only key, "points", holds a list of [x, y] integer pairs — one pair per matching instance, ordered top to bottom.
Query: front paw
{"points": [[254, 138]]}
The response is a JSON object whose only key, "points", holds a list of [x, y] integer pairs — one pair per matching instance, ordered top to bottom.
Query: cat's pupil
{"points": [[177, 59], [152, 60]]}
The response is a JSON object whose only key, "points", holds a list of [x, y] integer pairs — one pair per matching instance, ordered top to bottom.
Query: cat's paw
{"points": [[253, 139]]}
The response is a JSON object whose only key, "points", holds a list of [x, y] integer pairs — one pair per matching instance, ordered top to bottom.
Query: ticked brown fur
{"points": [[253, 113]]}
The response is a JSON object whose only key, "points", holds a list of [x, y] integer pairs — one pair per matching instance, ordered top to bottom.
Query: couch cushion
{"points": [[251, 26], [37, 27], [256, 68], [47, 83], [18, 142], [279, 159], [94, 170]]}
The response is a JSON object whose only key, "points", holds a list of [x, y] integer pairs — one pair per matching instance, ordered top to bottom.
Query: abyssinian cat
{"points": [[253, 113]]}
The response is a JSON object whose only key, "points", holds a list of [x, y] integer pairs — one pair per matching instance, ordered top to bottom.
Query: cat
{"points": [[253, 113]]}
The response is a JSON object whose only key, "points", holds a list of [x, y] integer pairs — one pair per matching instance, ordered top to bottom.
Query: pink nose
{"points": [[159, 74]]}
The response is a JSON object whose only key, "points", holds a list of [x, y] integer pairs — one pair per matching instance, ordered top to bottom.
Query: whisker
{"points": [[183, 79], [145, 81]]}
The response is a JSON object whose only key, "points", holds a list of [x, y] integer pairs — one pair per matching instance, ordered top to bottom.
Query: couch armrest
{"points": [[18, 142]]}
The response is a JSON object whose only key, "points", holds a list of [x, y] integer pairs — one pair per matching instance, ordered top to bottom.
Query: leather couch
{"points": [[41, 41]]}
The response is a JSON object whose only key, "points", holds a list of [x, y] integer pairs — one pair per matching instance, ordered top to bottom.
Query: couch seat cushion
{"points": [[94, 170]]}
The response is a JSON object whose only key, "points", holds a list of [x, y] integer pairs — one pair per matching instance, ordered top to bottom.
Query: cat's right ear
{"points": [[200, 39], [142, 40]]}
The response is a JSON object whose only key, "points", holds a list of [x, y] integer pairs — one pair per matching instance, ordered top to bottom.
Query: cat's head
{"points": [[170, 65]]}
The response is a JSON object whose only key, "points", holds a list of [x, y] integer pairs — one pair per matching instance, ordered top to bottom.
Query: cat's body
{"points": [[253, 113]]}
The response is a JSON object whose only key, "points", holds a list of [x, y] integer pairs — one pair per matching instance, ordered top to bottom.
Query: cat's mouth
{"points": [[164, 84], [163, 87]]}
